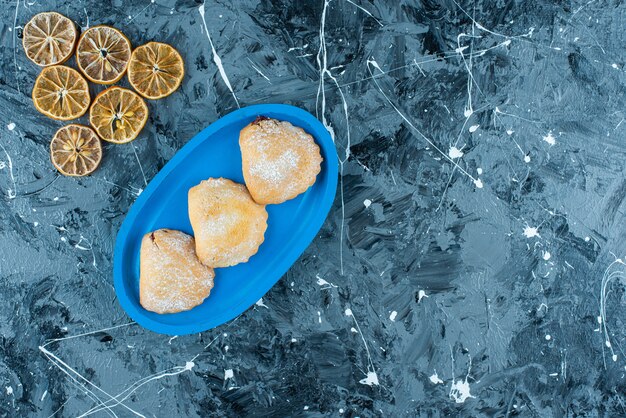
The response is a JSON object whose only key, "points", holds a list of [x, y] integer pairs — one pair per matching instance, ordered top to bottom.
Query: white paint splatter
{"points": [[17, 7], [366, 12], [84, 28], [298, 47], [216, 58], [322, 64], [259, 71], [11, 126], [473, 128], [510, 131], [550, 139], [431, 144], [454, 152], [526, 158], [478, 183], [11, 193], [367, 203], [531, 232], [587, 239], [546, 255], [607, 277], [322, 282], [420, 295], [260, 303], [393, 315], [228, 374], [435, 378], [371, 379], [83, 382], [9, 390], [460, 391]]}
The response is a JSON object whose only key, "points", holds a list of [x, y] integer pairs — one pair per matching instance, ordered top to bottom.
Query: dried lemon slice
{"points": [[49, 39], [102, 54], [155, 70], [61, 93], [118, 115], [75, 150]]}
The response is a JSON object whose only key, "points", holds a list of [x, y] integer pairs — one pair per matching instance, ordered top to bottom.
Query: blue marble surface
{"points": [[472, 264]]}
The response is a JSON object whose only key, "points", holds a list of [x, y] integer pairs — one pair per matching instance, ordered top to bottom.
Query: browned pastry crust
{"points": [[279, 160], [228, 224], [172, 279]]}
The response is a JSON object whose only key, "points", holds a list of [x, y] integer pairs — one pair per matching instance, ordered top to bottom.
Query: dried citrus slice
{"points": [[49, 38], [102, 54], [155, 70], [61, 93], [118, 115], [75, 150]]}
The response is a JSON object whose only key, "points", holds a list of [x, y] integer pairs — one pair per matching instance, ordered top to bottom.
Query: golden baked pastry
{"points": [[279, 160], [228, 225], [171, 278]]}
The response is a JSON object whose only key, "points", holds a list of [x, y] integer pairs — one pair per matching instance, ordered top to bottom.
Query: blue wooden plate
{"points": [[214, 152]]}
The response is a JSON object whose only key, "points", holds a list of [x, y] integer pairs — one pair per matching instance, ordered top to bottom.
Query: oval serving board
{"points": [[292, 225]]}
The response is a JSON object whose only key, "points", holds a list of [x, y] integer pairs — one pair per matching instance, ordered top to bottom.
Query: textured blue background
{"points": [[424, 294]]}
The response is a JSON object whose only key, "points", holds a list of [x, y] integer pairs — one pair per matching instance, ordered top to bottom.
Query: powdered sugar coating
{"points": [[279, 160], [275, 171], [228, 224], [172, 278]]}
